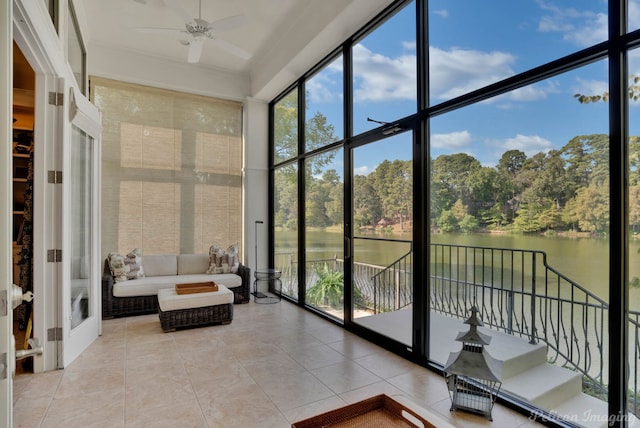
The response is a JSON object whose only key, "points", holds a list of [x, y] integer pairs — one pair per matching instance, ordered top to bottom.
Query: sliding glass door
{"points": [[382, 237], [324, 253]]}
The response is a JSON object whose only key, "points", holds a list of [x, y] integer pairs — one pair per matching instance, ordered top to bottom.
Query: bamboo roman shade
{"points": [[171, 169]]}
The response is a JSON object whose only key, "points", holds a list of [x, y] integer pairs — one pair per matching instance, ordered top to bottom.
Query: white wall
{"points": [[148, 70], [256, 127]]}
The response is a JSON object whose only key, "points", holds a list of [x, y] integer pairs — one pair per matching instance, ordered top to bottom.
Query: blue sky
{"points": [[473, 44]]}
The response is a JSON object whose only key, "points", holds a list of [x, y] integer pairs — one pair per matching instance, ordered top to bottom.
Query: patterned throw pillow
{"points": [[133, 261], [221, 261], [117, 266]]}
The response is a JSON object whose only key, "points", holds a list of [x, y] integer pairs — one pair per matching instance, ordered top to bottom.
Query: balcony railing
{"points": [[516, 291]]}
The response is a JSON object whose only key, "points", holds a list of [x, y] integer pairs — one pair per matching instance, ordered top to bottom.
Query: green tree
{"points": [[285, 127], [318, 133], [511, 163], [450, 181], [392, 182], [485, 187], [507, 187], [547, 187], [286, 197], [315, 198], [334, 205], [592, 207], [634, 207], [367, 209], [459, 210], [447, 221], [526, 222], [469, 224]]}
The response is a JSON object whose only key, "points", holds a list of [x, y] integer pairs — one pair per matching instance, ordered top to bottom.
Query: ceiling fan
{"points": [[198, 30]]}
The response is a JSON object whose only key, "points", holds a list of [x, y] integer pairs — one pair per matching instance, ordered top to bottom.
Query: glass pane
{"points": [[52, 6], [634, 15], [503, 38], [75, 50], [384, 72], [324, 107], [285, 127], [285, 202], [324, 209], [520, 227], [634, 228], [382, 237], [81, 244]]}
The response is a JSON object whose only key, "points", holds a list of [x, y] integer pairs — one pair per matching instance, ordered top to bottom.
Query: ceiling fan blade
{"points": [[175, 6], [228, 23], [157, 30], [231, 48], [195, 50]]}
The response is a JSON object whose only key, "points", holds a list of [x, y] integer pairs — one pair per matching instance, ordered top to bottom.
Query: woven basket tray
{"points": [[379, 411]]}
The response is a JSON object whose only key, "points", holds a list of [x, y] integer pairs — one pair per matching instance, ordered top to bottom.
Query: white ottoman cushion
{"points": [[169, 300]]}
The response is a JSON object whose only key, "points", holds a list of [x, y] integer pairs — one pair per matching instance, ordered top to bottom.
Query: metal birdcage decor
{"points": [[473, 376]]}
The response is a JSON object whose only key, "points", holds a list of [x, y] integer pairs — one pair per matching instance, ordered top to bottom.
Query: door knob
{"points": [[17, 296], [36, 349]]}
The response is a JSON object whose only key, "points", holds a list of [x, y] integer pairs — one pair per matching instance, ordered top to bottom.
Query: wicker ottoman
{"points": [[194, 310]]}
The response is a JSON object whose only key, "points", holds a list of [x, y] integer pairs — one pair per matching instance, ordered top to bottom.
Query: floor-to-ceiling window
{"points": [[308, 125], [285, 195], [526, 213]]}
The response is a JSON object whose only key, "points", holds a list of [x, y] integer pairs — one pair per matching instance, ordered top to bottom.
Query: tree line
{"points": [[558, 190]]}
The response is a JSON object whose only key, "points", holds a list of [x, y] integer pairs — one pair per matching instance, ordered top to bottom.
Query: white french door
{"points": [[6, 314], [81, 315]]}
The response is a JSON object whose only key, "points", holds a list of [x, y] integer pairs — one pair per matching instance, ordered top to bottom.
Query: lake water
{"points": [[584, 260]]}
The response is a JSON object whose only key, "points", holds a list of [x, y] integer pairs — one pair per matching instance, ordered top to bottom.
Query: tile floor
{"points": [[273, 365]]}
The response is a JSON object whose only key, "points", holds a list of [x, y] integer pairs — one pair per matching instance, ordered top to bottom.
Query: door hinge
{"points": [[56, 98], [54, 177], [54, 256], [4, 305], [54, 334], [4, 366]]}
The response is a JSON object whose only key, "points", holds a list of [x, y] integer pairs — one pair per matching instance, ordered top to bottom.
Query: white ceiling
{"points": [[113, 23], [284, 37]]}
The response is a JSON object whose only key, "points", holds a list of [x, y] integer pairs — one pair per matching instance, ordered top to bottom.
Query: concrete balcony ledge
{"points": [[525, 371]]}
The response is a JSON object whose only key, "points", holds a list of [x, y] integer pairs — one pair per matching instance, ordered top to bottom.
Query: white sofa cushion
{"points": [[192, 264], [160, 265], [149, 285], [168, 300]]}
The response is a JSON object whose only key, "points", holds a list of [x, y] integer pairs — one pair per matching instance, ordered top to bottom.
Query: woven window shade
{"points": [[171, 169]]}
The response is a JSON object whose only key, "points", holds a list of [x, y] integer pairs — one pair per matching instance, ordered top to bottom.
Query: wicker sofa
{"points": [[139, 296]]}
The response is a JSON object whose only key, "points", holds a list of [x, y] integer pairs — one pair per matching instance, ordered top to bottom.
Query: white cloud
{"points": [[444, 13], [580, 27], [409, 46], [634, 62], [458, 71], [382, 78], [318, 90], [532, 92], [512, 100], [452, 140], [530, 144], [362, 170]]}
